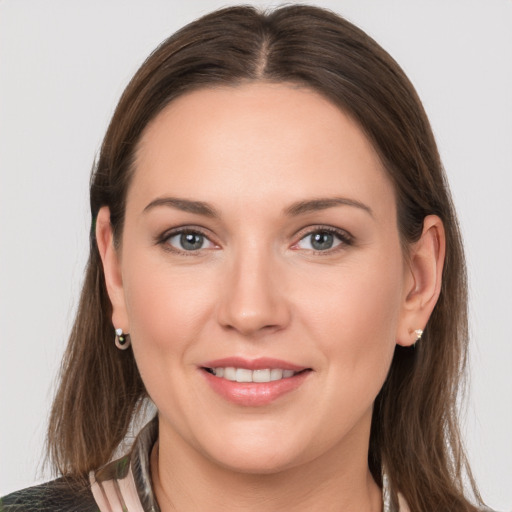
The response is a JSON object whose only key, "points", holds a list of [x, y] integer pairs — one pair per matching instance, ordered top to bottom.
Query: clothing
{"points": [[123, 485]]}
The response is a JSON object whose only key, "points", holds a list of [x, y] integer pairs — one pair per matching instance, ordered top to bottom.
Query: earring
{"points": [[419, 334], [121, 340]]}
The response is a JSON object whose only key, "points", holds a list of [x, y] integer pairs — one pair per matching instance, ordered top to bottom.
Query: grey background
{"points": [[63, 66]]}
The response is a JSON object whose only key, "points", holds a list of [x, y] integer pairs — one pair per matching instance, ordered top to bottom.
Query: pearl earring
{"points": [[419, 334], [122, 341]]}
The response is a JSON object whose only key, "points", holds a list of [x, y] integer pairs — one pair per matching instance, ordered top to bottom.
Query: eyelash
{"points": [[344, 237], [163, 239]]}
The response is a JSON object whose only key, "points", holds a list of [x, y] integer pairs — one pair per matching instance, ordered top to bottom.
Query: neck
{"points": [[186, 481]]}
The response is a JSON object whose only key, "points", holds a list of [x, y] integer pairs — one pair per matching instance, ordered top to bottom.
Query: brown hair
{"points": [[414, 427]]}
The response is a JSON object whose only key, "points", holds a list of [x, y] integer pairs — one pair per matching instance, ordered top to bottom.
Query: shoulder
{"points": [[61, 495]]}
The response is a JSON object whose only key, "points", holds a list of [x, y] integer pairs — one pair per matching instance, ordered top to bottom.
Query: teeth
{"points": [[229, 373], [276, 374], [245, 375], [261, 376]]}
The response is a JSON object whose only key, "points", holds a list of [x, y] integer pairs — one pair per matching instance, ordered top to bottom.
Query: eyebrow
{"points": [[185, 205], [313, 205], [294, 210]]}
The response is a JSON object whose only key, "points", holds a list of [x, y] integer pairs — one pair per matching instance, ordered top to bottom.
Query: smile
{"points": [[245, 375], [253, 383]]}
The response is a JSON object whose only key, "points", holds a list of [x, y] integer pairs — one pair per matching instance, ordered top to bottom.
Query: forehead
{"points": [[258, 141]]}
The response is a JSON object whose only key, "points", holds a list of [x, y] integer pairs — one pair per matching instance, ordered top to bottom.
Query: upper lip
{"points": [[260, 363]]}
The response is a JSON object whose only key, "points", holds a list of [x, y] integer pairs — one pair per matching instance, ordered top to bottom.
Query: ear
{"points": [[112, 269], [422, 281]]}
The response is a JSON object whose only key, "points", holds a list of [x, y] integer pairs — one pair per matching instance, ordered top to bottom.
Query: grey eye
{"points": [[189, 241], [319, 241], [322, 241]]}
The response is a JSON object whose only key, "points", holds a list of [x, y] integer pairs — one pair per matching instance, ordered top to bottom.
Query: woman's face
{"points": [[261, 236]]}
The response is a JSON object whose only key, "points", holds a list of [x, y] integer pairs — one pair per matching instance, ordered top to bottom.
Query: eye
{"points": [[322, 240], [188, 241]]}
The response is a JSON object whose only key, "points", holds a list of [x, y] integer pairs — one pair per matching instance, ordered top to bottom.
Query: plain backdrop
{"points": [[63, 66]]}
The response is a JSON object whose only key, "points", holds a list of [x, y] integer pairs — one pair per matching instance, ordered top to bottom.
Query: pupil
{"points": [[191, 241], [322, 241]]}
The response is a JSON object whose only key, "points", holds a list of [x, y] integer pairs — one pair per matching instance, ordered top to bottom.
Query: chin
{"points": [[257, 455], [261, 463]]}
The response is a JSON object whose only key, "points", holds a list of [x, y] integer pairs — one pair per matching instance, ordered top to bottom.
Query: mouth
{"points": [[252, 383]]}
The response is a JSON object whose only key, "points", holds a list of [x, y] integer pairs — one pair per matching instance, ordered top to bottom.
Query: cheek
{"points": [[164, 304], [166, 307], [353, 314], [353, 324]]}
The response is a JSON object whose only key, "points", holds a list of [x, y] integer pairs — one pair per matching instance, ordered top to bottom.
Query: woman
{"points": [[275, 262]]}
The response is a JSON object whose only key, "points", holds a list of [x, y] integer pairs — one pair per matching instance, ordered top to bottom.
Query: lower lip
{"points": [[254, 394]]}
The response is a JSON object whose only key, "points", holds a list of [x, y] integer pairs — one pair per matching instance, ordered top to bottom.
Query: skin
{"points": [[257, 288]]}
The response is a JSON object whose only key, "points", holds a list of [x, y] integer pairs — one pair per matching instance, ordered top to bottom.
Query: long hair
{"points": [[414, 432]]}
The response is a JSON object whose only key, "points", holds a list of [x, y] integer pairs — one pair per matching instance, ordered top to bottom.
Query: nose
{"points": [[253, 298]]}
